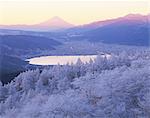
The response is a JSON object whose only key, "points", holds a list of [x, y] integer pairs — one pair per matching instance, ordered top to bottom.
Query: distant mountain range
{"points": [[130, 18], [57, 23], [52, 24], [132, 29], [128, 30]]}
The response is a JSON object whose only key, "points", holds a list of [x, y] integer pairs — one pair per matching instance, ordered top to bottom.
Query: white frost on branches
{"points": [[118, 87]]}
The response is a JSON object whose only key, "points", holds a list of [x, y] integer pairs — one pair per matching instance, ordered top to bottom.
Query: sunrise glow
{"points": [[75, 12]]}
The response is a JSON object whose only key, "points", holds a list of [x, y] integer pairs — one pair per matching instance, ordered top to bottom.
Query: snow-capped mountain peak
{"points": [[56, 22]]}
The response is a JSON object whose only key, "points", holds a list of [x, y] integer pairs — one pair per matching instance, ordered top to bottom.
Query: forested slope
{"points": [[106, 88]]}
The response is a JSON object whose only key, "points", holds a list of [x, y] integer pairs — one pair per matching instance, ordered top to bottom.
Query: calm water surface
{"points": [[62, 60]]}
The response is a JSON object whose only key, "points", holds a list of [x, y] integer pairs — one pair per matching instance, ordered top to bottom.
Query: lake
{"points": [[62, 60]]}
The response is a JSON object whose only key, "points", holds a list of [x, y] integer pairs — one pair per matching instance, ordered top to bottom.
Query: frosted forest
{"points": [[115, 87]]}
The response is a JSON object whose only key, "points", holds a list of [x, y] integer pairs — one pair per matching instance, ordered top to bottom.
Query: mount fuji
{"points": [[52, 24]]}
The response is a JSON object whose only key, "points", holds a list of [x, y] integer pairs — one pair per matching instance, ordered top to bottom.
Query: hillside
{"points": [[126, 34], [23, 44], [13, 49], [10, 67], [105, 88]]}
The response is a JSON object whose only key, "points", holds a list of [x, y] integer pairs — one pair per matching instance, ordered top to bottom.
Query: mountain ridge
{"points": [[56, 23], [96, 24]]}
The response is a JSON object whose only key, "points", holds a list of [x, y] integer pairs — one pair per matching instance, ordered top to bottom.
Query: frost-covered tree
{"points": [[114, 87]]}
